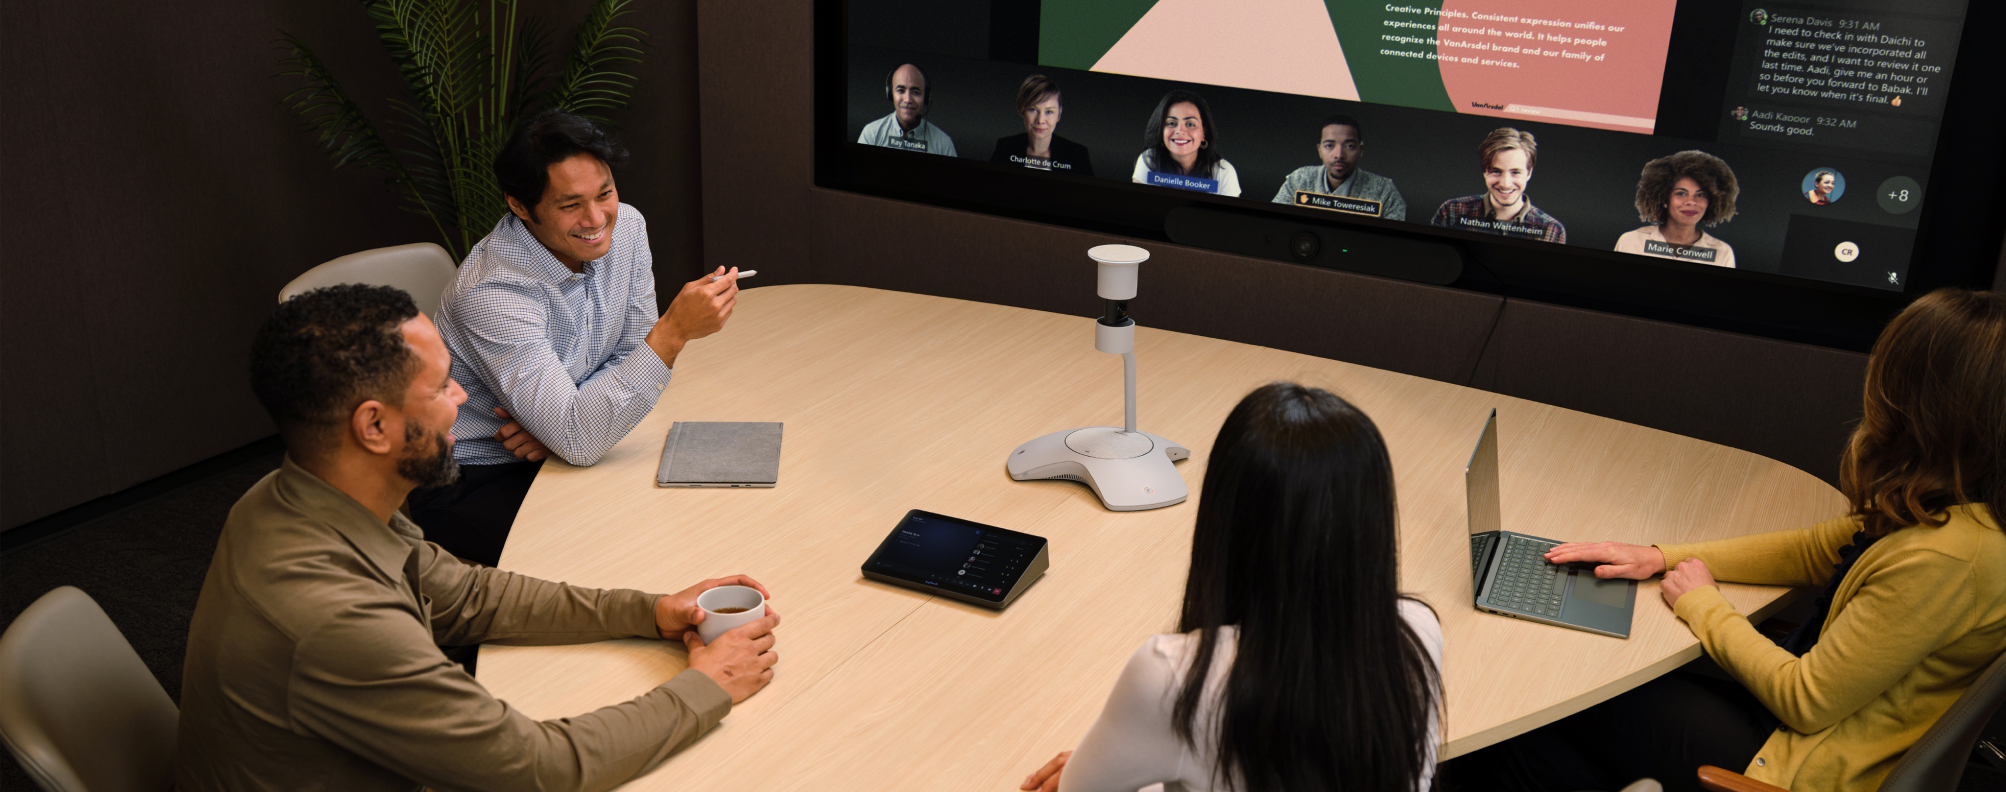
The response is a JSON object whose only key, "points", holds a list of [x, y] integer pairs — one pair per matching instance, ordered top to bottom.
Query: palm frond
{"points": [[532, 59], [590, 81], [344, 131]]}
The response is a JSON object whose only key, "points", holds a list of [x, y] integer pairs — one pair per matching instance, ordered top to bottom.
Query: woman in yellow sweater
{"points": [[1913, 604]]}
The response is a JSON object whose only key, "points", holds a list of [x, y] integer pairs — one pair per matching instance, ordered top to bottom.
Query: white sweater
{"points": [[1133, 746]]}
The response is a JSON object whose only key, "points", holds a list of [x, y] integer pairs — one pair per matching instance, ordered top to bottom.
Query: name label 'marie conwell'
{"points": [[1691, 253]]}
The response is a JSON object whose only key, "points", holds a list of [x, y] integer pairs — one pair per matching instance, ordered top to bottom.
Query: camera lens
{"points": [[1304, 246]]}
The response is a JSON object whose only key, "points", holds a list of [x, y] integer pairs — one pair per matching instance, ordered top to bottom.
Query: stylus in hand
{"points": [[742, 275]]}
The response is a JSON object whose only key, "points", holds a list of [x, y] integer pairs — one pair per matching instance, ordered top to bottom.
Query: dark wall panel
{"points": [[754, 62], [173, 198], [1411, 328], [1790, 402], [51, 444]]}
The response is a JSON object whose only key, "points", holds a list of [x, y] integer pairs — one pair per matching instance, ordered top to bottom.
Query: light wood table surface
{"points": [[896, 401]]}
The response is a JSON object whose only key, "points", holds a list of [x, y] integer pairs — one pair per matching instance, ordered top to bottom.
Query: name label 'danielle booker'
{"points": [[1192, 183]]}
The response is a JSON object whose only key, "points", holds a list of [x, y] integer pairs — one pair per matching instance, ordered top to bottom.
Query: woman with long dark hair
{"points": [[1181, 140], [1913, 605], [1298, 665]]}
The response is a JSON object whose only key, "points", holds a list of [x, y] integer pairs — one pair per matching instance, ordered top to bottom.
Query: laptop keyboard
{"points": [[1526, 581]]}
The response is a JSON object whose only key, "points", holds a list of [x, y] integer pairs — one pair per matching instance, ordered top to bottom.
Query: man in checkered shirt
{"points": [[553, 331]]}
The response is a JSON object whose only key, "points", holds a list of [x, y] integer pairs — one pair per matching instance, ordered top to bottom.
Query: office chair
{"points": [[423, 269], [77, 707], [1934, 764]]}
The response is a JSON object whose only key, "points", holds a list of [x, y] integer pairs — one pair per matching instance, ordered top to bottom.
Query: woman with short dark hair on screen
{"points": [[1039, 106], [1182, 140], [1676, 195], [1912, 609], [1298, 664]]}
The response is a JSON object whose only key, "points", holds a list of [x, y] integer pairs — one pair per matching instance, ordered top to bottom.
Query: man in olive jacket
{"points": [[313, 659]]}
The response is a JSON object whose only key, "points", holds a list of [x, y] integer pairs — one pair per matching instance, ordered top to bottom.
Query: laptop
{"points": [[720, 454], [1512, 577]]}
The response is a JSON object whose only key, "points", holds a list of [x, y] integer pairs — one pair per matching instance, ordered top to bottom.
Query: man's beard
{"points": [[438, 469]]}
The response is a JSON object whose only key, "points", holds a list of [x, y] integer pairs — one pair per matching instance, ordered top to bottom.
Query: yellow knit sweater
{"points": [[1921, 614]]}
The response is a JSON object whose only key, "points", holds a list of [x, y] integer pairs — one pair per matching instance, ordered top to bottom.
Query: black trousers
{"points": [[471, 518], [1664, 729]]}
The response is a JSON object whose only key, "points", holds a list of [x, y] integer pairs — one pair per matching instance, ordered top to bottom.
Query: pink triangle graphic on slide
{"points": [[1286, 46]]}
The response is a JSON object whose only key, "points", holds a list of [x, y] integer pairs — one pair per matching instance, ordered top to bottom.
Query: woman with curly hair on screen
{"points": [[1676, 195]]}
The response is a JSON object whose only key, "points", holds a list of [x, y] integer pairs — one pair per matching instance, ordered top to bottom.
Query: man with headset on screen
{"points": [[906, 128]]}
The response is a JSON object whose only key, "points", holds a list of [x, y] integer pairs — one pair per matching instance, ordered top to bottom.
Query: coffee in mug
{"points": [[726, 607]]}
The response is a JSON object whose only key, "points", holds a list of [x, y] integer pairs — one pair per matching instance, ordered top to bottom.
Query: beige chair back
{"points": [[423, 269], [77, 707]]}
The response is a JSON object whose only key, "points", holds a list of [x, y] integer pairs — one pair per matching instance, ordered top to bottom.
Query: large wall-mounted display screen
{"points": [[1796, 139]]}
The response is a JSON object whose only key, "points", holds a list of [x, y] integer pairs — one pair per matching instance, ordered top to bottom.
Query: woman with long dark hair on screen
{"points": [[1181, 140], [1912, 609], [1298, 665]]}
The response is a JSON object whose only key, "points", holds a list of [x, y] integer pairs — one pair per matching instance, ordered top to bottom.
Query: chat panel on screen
{"points": [[1842, 78]]}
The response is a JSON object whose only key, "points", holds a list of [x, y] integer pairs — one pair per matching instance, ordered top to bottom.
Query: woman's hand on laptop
{"points": [[1614, 559]]}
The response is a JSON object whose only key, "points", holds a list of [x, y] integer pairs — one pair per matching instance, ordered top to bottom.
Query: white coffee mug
{"points": [[716, 624]]}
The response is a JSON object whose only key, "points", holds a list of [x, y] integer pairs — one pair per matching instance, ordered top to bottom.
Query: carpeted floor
{"points": [[143, 564]]}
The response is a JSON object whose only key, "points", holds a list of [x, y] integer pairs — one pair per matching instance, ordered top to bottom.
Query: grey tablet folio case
{"points": [[720, 454]]}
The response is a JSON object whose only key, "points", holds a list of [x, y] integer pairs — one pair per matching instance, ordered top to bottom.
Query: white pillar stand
{"points": [[1130, 470]]}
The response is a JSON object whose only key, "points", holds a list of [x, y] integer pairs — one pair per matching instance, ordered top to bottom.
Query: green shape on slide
{"points": [[1074, 34], [1387, 79]]}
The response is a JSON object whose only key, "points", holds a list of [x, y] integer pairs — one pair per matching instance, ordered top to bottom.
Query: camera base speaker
{"points": [[1385, 253], [1130, 471]]}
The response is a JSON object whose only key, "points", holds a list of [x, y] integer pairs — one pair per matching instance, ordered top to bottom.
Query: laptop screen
{"points": [[1482, 478]]}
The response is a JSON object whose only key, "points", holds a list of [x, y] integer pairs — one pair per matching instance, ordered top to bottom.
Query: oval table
{"points": [[898, 401]]}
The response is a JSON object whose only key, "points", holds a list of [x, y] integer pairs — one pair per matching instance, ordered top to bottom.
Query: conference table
{"points": [[895, 401]]}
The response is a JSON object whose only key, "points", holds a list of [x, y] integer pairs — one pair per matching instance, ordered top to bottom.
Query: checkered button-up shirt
{"points": [[1473, 213], [562, 352]]}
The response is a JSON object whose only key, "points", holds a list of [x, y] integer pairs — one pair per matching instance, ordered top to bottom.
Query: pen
{"points": [[742, 275]]}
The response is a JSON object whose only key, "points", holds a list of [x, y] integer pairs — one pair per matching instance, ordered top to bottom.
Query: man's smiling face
{"points": [[575, 218]]}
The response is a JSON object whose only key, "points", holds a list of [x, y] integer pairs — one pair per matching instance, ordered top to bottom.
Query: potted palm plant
{"points": [[470, 69]]}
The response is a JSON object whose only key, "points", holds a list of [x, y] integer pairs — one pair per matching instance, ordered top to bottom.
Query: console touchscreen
{"points": [[959, 559]]}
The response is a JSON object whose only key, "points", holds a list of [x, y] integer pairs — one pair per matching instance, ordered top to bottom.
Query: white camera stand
{"points": [[1129, 470]]}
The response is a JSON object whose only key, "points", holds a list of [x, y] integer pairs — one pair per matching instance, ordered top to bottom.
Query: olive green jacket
{"points": [[314, 663]]}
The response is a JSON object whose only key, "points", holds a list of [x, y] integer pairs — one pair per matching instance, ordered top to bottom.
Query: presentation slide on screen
{"points": [[1576, 62]]}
